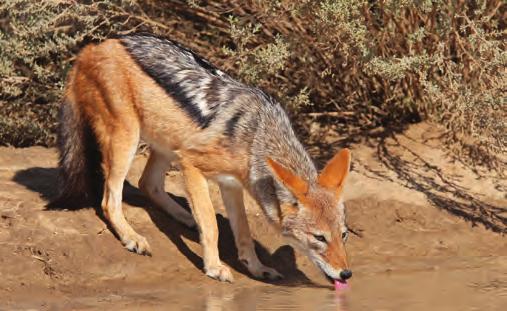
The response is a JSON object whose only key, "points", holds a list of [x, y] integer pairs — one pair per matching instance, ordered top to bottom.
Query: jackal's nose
{"points": [[345, 274]]}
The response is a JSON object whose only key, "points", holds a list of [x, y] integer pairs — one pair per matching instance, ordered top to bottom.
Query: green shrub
{"points": [[363, 64]]}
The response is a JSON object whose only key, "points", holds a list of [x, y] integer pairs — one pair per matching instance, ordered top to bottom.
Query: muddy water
{"points": [[472, 283]]}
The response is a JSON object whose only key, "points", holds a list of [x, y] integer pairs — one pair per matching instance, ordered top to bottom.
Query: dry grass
{"points": [[360, 64]]}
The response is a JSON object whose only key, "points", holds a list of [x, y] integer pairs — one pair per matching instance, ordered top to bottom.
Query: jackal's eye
{"points": [[345, 236], [320, 238]]}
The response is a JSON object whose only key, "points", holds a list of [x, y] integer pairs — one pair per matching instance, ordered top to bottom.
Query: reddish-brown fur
{"points": [[111, 93]]}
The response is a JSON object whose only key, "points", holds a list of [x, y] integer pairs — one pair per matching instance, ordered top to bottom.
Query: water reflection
{"points": [[437, 284], [273, 298]]}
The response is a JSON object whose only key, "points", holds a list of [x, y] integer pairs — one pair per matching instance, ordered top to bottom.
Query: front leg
{"points": [[232, 195], [204, 215]]}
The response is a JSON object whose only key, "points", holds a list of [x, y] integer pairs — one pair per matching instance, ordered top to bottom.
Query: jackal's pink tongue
{"points": [[340, 285]]}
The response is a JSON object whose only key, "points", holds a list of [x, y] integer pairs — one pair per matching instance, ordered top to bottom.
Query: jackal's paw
{"points": [[137, 244], [260, 271], [220, 272]]}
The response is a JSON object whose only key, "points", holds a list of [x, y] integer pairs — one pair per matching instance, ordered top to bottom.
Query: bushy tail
{"points": [[81, 177]]}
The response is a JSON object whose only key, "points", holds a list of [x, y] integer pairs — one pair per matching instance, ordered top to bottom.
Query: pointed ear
{"points": [[334, 174], [294, 183]]}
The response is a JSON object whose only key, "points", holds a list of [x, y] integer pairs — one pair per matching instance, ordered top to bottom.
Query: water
{"points": [[471, 283]]}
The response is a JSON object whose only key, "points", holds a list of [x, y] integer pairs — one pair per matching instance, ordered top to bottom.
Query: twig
{"points": [[330, 114], [40, 258]]}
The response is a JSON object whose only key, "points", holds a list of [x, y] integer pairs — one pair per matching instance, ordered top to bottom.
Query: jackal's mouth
{"points": [[330, 279]]}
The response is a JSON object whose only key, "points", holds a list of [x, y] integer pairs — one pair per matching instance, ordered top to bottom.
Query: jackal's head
{"points": [[315, 220]]}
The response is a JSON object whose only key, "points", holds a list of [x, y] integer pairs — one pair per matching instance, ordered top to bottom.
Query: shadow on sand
{"points": [[413, 171], [43, 181], [440, 187]]}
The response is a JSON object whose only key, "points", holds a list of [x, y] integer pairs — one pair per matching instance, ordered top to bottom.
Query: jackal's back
{"points": [[184, 105], [229, 114]]}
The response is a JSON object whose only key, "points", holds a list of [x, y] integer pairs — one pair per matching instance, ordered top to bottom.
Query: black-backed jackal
{"points": [[143, 87]]}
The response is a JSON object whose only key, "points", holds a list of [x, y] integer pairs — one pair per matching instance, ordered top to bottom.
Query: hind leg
{"points": [[118, 152], [152, 184]]}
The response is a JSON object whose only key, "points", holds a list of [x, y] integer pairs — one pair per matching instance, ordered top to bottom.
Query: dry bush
{"points": [[38, 41], [353, 65]]}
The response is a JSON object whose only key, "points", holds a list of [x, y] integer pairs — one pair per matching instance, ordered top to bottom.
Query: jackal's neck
{"points": [[276, 139]]}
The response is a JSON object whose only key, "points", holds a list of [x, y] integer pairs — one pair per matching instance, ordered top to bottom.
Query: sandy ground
{"points": [[419, 218]]}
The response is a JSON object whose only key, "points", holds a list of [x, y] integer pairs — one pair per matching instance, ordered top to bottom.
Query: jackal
{"points": [[214, 127]]}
